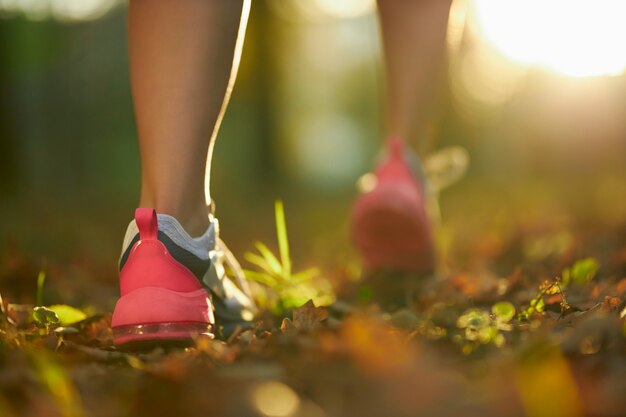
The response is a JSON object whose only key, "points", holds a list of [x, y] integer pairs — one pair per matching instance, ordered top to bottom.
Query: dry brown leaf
{"points": [[474, 285], [611, 304], [308, 316], [376, 346]]}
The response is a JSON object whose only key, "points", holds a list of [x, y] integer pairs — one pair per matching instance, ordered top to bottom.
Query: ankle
{"points": [[194, 219], [194, 224]]}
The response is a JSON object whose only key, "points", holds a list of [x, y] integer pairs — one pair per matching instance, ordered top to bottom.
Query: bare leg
{"points": [[414, 34], [184, 56]]}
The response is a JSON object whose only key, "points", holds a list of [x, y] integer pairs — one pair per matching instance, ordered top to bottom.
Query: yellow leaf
{"points": [[68, 314]]}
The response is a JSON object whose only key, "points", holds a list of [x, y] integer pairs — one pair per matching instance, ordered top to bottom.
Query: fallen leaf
{"points": [[611, 304], [308, 316]]}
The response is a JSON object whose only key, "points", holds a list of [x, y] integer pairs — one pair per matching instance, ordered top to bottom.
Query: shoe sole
{"points": [[388, 233], [152, 315], [141, 336]]}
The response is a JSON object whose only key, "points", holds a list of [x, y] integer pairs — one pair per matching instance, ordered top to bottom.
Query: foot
{"points": [[390, 225], [173, 286]]}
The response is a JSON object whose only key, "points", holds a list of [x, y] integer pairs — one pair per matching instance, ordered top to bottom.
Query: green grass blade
{"points": [[283, 241], [270, 258], [258, 261], [305, 276], [261, 278], [41, 279]]}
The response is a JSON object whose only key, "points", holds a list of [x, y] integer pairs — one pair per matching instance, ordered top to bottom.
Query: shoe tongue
{"points": [[396, 147], [404, 155], [147, 224]]}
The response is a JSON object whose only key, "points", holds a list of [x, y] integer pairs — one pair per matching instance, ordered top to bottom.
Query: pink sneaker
{"points": [[390, 226], [160, 298]]}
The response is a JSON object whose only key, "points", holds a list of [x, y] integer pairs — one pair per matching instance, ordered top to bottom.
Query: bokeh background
{"points": [[535, 91]]}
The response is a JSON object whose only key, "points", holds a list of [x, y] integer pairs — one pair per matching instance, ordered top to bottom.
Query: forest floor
{"points": [[526, 319]]}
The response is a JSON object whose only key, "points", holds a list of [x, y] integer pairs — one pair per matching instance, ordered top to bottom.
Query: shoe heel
{"points": [[389, 234], [158, 315]]}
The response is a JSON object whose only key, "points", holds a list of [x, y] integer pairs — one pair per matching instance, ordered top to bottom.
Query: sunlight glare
{"points": [[345, 8], [81, 9], [63, 10], [577, 38], [486, 78], [275, 399]]}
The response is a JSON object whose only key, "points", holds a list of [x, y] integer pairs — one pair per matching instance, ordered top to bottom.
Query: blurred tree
{"points": [[8, 162]]}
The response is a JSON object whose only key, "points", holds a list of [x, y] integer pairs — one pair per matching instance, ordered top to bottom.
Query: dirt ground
{"points": [[527, 318]]}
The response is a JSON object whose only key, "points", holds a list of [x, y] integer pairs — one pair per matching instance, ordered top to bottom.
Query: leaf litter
{"points": [[544, 338]]}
